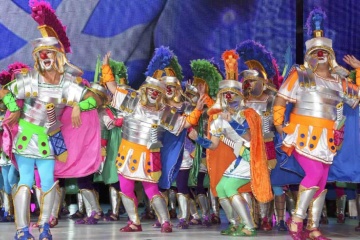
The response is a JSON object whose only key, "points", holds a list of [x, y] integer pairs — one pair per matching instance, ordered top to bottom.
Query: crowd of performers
{"points": [[247, 141]]}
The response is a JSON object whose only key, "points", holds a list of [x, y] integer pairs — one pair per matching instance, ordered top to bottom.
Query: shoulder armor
{"points": [[306, 77], [26, 84], [73, 89], [130, 101], [169, 117]]}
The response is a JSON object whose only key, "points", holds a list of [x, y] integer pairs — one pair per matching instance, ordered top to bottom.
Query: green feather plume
{"points": [[204, 69], [119, 70]]}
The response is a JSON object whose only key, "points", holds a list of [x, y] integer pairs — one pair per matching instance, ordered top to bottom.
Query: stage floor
{"points": [[67, 230]]}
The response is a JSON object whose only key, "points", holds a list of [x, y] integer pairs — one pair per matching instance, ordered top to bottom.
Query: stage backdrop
{"points": [[131, 29]]}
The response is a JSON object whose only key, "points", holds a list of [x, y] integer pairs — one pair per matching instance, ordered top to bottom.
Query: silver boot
{"points": [[22, 198], [115, 201], [303, 201], [172, 203], [46, 204], [159, 205], [92, 206], [215, 206], [56, 207], [9, 208], [131, 208], [242, 208], [340, 208], [205, 209], [228, 209], [184, 211], [265, 216], [196, 220]]}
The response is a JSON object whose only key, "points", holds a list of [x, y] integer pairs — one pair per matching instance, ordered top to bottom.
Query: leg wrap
{"points": [[89, 197], [172, 198], [114, 200], [290, 201], [303, 201], [57, 202], [251, 202], [80, 203], [214, 203], [8, 204], [46, 204], [159, 205], [204, 205], [22, 206], [130, 208], [340, 208], [193, 209], [228, 209], [243, 210], [315, 210], [184, 211]]}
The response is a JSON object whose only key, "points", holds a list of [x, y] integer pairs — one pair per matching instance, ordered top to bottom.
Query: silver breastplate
{"points": [[35, 110], [142, 126]]}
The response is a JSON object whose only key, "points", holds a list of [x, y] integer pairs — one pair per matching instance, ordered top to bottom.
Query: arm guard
{"points": [[107, 74], [357, 76], [10, 102], [87, 104], [279, 113], [204, 142]]}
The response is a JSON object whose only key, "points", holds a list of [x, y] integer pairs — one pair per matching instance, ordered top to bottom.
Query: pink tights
{"points": [[316, 173], [127, 187]]}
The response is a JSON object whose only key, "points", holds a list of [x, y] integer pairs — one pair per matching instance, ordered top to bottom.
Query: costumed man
{"points": [[260, 84], [46, 91], [317, 91], [146, 118], [240, 128], [111, 138], [173, 145], [347, 153], [192, 169], [8, 170]]}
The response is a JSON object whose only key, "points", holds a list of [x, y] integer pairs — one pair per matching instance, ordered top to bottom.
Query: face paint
{"points": [[46, 59], [170, 91], [152, 95], [229, 96]]}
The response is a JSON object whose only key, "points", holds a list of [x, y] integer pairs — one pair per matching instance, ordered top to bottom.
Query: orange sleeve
{"points": [[107, 74], [357, 76], [209, 101], [279, 112], [193, 117]]}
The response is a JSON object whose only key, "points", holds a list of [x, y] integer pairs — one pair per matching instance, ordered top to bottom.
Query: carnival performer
{"points": [[260, 84], [46, 91], [317, 91], [146, 117], [240, 128], [351, 137], [111, 138], [173, 145], [193, 166], [8, 170]]}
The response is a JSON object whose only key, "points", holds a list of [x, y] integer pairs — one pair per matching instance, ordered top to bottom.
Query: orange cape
{"points": [[218, 161]]}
